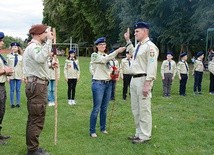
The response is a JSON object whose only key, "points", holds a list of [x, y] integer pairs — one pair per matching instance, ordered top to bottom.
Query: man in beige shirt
{"points": [[144, 70], [4, 71], [36, 72]]}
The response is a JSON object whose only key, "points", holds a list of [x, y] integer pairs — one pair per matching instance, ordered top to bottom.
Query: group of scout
{"points": [[169, 70]]}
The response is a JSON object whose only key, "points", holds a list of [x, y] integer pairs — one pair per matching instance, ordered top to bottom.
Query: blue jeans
{"points": [[15, 83], [51, 91], [101, 92]]}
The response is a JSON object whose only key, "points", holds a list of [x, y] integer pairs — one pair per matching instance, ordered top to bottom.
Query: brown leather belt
{"points": [[138, 75], [37, 80]]}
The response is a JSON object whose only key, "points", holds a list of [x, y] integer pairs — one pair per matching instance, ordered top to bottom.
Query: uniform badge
{"points": [[152, 53]]}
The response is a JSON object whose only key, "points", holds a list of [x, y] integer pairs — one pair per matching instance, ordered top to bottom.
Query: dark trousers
{"points": [[197, 81], [167, 82], [183, 82], [211, 82], [126, 84], [71, 88], [113, 89], [3, 98], [37, 100]]}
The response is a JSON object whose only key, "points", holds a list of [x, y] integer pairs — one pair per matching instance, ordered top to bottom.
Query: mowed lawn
{"points": [[181, 125]]}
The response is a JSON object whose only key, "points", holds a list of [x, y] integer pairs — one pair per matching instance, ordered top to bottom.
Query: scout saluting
{"points": [[14, 60], [72, 74]]}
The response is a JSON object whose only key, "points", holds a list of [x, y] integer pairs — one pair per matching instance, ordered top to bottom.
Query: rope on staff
{"points": [[56, 86]]}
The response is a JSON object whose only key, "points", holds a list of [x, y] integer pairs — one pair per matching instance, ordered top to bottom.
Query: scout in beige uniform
{"points": [[14, 60], [114, 64], [211, 69], [4, 70], [144, 70], [36, 71], [168, 72], [198, 72], [125, 73], [183, 73], [72, 75], [52, 81], [101, 84]]}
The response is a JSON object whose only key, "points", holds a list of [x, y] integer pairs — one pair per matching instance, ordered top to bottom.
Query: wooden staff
{"points": [[56, 86]]}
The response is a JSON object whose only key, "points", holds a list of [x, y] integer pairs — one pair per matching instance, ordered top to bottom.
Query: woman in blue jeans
{"points": [[101, 84]]}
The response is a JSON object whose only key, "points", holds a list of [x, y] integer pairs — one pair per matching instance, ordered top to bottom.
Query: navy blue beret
{"points": [[141, 25], [1, 35], [100, 40], [15, 44], [72, 51], [169, 53], [199, 53], [183, 54]]}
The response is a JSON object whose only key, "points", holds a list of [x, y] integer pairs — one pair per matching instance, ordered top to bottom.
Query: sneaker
{"points": [[70, 102], [73, 102], [49, 103], [53, 103], [12, 106], [104, 132], [93, 135], [139, 141], [40, 151]]}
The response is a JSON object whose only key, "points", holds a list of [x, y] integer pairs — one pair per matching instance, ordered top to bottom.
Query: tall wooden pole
{"points": [[56, 86]]}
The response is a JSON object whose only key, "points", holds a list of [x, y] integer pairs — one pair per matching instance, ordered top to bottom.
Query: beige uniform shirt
{"points": [[35, 59], [146, 59], [125, 66], [198, 66], [211, 66], [165, 67], [182, 67], [99, 68], [18, 69], [52, 71], [69, 71], [3, 78]]}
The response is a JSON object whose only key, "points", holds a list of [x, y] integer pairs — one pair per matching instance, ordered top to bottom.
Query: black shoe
{"points": [[12, 106], [17, 106], [2, 137], [133, 137], [2, 142], [40, 151]]}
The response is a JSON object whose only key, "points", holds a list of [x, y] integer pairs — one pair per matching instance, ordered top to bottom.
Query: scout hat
{"points": [[141, 25], [38, 29], [1, 35], [100, 40], [15, 44], [72, 51], [169, 53], [199, 53], [183, 54]]}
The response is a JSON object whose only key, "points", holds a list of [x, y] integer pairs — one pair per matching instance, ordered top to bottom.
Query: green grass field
{"points": [[181, 125]]}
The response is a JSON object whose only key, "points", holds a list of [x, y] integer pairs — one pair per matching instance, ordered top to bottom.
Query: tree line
{"points": [[176, 25]]}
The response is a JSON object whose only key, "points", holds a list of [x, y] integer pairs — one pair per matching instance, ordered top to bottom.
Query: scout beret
{"points": [[141, 25], [38, 29], [1, 35], [100, 40], [15, 44], [72, 51], [169, 53], [199, 53], [183, 54]]}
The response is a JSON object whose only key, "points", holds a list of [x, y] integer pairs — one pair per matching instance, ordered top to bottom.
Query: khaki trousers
{"points": [[141, 108]]}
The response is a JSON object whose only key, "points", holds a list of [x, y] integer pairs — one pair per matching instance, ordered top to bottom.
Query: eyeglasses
{"points": [[102, 44]]}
